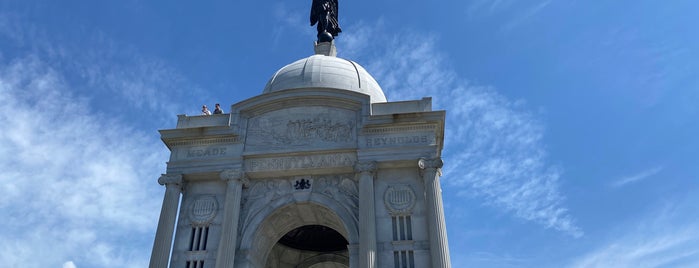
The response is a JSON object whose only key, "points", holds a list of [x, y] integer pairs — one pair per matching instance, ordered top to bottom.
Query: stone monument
{"points": [[319, 170]]}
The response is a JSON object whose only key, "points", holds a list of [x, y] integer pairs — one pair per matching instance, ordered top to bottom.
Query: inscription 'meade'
{"points": [[397, 140], [205, 152], [299, 162]]}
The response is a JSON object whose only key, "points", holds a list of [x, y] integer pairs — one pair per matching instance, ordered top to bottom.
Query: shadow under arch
{"points": [[289, 212]]}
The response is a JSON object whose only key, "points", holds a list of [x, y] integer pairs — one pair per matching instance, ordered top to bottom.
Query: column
{"points": [[231, 214], [367, 215], [166, 225], [439, 247]]}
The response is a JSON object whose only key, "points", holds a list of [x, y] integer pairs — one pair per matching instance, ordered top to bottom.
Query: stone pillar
{"points": [[231, 214], [367, 215], [166, 225], [439, 247], [352, 250]]}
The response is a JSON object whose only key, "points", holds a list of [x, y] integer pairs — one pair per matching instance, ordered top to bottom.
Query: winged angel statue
{"points": [[324, 13]]}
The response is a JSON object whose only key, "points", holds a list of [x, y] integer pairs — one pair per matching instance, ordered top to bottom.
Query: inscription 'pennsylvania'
{"points": [[300, 162]]}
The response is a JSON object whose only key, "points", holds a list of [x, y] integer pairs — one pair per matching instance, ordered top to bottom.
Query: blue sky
{"points": [[571, 134]]}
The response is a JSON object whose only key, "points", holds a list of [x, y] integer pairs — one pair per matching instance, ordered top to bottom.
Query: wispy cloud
{"points": [[514, 13], [525, 14], [112, 75], [493, 148], [69, 176], [636, 177], [79, 184], [668, 237]]}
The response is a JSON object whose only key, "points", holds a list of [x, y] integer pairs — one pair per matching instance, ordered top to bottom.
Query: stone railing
{"points": [[215, 120]]}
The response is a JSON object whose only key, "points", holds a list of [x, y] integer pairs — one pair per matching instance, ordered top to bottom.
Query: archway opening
{"points": [[279, 235], [317, 238], [310, 246]]}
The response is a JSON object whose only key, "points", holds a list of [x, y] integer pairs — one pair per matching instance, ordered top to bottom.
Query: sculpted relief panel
{"points": [[301, 127], [261, 193]]}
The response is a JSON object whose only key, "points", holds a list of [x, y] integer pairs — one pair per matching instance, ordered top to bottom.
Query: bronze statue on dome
{"points": [[324, 13]]}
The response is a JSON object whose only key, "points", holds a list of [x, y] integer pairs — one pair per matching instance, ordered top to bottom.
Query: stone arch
{"points": [[286, 213], [331, 258]]}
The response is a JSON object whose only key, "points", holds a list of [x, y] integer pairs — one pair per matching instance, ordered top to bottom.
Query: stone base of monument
{"points": [[325, 48]]}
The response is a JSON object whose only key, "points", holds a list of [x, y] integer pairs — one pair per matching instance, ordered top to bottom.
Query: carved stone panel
{"points": [[301, 128], [341, 188], [399, 199], [203, 209]]}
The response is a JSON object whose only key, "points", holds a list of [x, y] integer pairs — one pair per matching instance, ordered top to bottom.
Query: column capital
{"points": [[424, 163], [366, 166], [234, 175], [168, 179]]}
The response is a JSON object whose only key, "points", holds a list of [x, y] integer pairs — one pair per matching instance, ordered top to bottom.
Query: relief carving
{"points": [[301, 126], [343, 189], [261, 193], [399, 199], [203, 210]]}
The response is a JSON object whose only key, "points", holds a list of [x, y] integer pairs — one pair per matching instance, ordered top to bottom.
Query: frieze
{"points": [[299, 127], [205, 141], [300, 162]]}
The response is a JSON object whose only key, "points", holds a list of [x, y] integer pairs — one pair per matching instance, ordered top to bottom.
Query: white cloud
{"points": [[493, 147], [636, 177], [76, 184], [667, 237], [69, 264]]}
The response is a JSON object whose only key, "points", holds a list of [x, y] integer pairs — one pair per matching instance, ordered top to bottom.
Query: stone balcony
{"points": [[195, 121]]}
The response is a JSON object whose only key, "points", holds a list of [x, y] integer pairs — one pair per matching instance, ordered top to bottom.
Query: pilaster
{"points": [[231, 214], [367, 215], [166, 224], [439, 247]]}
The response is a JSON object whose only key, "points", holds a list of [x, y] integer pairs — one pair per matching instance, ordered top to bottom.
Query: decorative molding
{"points": [[400, 129], [209, 141], [424, 163], [367, 166], [235, 175], [167, 179], [303, 184], [342, 188], [399, 199], [203, 210], [196, 255]]}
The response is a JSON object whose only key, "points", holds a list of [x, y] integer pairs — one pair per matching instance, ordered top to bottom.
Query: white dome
{"points": [[320, 71]]}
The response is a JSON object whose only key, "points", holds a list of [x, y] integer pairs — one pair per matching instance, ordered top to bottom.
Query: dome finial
{"points": [[325, 48]]}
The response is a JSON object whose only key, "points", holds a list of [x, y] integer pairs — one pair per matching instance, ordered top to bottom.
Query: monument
{"points": [[318, 171]]}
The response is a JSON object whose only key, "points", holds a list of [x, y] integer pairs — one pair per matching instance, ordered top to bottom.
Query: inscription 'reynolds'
{"points": [[381, 141]]}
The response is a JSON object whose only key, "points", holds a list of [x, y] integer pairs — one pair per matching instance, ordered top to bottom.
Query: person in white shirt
{"points": [[205, 111]]}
